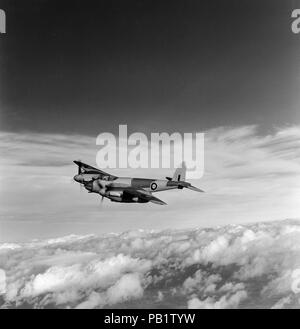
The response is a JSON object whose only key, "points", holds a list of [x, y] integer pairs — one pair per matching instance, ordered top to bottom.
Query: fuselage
{"points": [[148, 184], [115, 189], [128, 189]]}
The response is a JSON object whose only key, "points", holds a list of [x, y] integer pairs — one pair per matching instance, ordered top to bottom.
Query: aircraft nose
{"points": [[78, 178]]}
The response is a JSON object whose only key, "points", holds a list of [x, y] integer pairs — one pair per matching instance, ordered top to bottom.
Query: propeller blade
{"points": [[193, 188]]}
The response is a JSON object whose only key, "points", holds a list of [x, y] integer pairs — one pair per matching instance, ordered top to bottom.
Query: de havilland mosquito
{"points": [[127, 189]]}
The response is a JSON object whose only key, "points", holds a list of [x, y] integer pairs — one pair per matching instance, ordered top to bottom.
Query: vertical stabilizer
{"points": [[180, 173]]}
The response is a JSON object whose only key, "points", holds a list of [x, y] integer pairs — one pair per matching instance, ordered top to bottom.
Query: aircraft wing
{"points": [[92, 170], [143, 194]]}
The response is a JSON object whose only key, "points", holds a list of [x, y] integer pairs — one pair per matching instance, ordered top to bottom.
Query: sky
{"points": [[229, 69]]}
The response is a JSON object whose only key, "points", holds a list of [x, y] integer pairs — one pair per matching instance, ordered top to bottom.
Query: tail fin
{"points": [[180, 172]]}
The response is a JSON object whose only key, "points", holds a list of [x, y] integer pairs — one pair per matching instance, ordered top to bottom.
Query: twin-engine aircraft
{"points": [[127, 189]]}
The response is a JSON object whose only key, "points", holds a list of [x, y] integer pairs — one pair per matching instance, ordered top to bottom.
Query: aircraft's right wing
{"points": [[143, 194]]}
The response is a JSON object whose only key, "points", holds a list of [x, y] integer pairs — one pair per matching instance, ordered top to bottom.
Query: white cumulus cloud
{"points": [[234, 266]]}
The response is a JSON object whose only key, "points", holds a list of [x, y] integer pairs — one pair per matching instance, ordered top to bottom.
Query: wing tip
{"points": [[196, 189], [158, 201]]}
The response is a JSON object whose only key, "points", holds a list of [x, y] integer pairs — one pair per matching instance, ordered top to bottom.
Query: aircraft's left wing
{"points": [[143, 194]]}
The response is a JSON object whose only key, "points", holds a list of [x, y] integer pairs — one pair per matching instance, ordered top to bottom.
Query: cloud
{"points": [[233, 266], [2, 282], [129, 286], [224, 302], [282, 303]]}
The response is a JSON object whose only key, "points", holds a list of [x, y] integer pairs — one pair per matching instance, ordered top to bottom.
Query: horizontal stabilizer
{"points": [[193, 188]]}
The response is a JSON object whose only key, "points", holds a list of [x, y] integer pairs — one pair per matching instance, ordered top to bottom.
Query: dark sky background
{"points": [[88, 66]]}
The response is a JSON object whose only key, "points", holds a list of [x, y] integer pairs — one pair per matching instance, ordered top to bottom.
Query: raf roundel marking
{"points": [[153, 186]]}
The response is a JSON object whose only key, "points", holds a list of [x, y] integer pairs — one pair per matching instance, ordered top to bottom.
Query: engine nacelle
{"points": [[97, 186], [115, 193], [118, 196], [115, 198]]}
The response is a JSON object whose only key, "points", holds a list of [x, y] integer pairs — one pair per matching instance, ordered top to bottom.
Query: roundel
{"points": [[153, 186]]}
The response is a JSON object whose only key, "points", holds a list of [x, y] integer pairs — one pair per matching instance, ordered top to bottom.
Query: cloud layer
{"points": [[235, 266]]}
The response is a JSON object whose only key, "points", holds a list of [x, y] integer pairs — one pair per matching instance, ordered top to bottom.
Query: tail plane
{"points": [[180, 173], [179, 179]]}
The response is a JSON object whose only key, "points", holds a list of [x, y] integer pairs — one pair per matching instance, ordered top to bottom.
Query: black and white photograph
{"points": [[150, 156]]}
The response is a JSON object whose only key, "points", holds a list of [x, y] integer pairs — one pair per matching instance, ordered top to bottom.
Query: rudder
{"points": [[180, 173]]}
